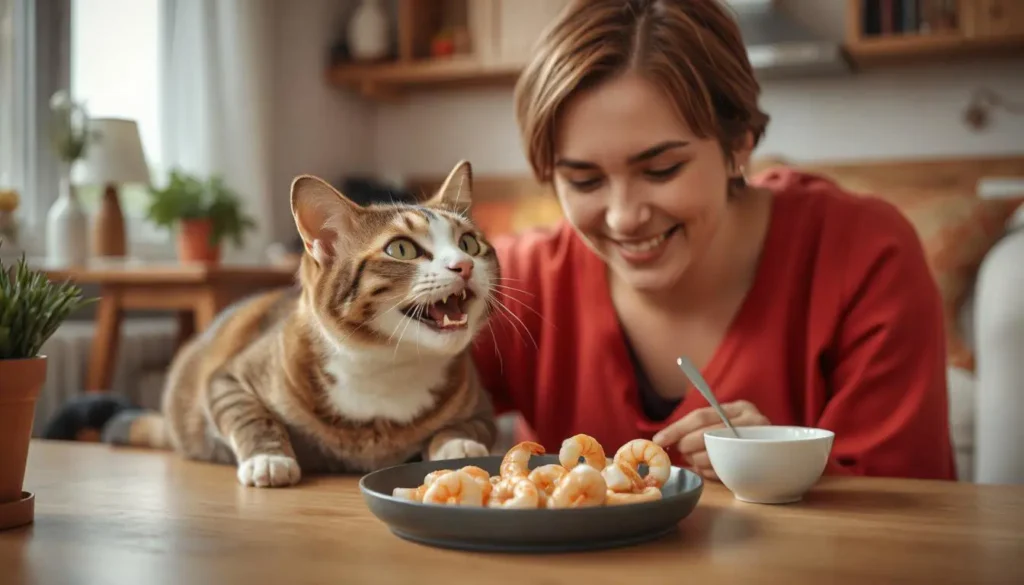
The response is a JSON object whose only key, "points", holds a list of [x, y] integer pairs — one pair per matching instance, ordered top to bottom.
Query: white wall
{"points": [[898, 113], [316, 129]]}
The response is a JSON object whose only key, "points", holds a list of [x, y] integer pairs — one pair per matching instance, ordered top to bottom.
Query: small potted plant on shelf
{"points": [[206, 212], [31, 309]]}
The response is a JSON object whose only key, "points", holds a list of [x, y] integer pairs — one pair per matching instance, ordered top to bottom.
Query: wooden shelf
{"points": [[940, 31], [496, 38], [874, 52], [391, 79]]}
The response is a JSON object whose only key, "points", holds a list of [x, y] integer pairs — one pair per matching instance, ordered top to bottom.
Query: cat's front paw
{"points": [[459, 449], [269, 471]]}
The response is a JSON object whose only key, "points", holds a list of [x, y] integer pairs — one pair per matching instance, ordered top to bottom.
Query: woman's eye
{"points": [[663, 173], [585, 185], [469, 244], [402, 249]]}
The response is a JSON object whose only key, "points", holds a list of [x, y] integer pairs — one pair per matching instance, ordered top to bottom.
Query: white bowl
{"points": [[769, 464]]}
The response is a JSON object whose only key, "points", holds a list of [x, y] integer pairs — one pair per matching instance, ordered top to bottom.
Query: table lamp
{"points": [[114, 157]]}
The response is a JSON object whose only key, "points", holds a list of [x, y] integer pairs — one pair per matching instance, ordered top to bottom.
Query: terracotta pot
{"points": [[194, 242], [20, 381]]}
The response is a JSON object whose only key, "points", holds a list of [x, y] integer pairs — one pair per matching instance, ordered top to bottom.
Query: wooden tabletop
{"points": [[111, 516]]}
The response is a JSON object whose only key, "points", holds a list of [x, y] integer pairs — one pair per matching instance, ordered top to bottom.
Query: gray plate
{"points": [[541, 530]]}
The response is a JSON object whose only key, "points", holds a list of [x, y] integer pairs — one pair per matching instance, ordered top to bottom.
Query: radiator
{"points": [[144, 353]]}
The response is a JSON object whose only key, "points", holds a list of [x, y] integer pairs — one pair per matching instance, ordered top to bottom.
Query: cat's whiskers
{"points": [[512, 288], [401, 298], [412, 299], [494, 302], [521, 303], [417, 312], [497, 350]]}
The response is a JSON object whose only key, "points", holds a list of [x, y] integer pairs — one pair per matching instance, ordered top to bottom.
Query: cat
{"points": [[364, 364]]}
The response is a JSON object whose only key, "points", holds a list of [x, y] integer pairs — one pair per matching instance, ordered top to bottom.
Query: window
{"points": [[115, 73], [13, 77]]}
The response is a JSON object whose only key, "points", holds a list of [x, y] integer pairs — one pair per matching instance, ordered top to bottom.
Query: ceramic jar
{"points": [[369, 35], [67, 228]]}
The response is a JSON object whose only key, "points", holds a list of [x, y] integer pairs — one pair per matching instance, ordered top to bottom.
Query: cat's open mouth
{"points": [[446, 314]]}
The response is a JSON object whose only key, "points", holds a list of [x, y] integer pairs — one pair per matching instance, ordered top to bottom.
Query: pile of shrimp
{"points": [[582, 478]]}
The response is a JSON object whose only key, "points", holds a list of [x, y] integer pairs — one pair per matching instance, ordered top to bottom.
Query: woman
{"points": [[800, 303]]}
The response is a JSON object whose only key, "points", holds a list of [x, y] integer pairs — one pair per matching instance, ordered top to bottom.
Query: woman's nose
{"points": [[626, 212]]}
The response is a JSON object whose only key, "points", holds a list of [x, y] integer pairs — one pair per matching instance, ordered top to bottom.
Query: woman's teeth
{"points": [[645, 245]]}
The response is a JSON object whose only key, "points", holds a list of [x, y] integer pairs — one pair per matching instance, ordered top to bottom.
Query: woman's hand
{"points": [[687, 434]]}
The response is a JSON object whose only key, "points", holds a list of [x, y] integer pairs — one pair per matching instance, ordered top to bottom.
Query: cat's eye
{"points": [[469, 244], [402, 249]]}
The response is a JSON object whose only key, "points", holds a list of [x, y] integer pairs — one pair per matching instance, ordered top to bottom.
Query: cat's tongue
{"points": [[447, 313]]}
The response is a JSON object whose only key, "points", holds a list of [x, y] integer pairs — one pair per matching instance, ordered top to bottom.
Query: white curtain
{"points": [[215, 77]]}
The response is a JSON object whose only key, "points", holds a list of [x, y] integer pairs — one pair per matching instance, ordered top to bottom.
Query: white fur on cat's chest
{"points": [[399, 392]]}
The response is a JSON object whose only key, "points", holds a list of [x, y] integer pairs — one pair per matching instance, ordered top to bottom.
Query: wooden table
{"points": [[197, 292], [111, 516]]}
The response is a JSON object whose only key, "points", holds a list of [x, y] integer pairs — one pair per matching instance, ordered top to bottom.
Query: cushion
{"points": [[957, 231]]}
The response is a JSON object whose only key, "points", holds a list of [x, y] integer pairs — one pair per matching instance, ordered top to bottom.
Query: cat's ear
{"points": [[456, 192], [322, 215]]}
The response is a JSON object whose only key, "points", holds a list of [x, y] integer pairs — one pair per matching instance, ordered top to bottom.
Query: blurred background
{"points": [[121, 120]]}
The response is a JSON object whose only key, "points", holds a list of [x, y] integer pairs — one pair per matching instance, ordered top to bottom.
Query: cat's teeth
{"points": [[463, 294], [446, 321]]}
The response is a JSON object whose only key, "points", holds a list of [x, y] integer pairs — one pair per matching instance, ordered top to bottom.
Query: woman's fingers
{"points": [[699, 419], [694, 440]]}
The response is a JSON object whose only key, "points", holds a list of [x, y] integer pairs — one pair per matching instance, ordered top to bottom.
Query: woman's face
{"points": [[639, 187]]}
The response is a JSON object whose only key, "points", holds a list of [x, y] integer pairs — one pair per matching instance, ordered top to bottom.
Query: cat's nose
{"points": [[463, 268]]}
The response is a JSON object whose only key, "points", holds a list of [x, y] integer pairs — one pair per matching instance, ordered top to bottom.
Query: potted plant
{"points": [[206, 213], [31, 309]]}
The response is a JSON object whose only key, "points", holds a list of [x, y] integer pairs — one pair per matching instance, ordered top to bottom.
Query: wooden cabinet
{"points": [[994, 18], [895, 32], [483, 42], [458, 43]]}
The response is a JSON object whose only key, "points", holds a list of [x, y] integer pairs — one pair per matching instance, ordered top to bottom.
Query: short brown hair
{"points": [[691, 48]]}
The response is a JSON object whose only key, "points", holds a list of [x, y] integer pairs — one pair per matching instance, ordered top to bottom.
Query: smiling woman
{"points": [[801, 304]]}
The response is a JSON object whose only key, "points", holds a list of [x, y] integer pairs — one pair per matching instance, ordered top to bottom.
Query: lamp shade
{"points": [[114, 154]]}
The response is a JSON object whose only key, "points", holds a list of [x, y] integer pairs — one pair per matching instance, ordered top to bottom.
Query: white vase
{"points": [[368, 31], [67, 227]]}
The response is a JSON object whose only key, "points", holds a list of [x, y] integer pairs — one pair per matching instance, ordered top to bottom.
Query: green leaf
{"points": [[189, 197], [32, 308]]}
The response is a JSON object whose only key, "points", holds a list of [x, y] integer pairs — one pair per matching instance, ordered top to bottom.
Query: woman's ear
{"points": [[741, 155], [323, 216]]}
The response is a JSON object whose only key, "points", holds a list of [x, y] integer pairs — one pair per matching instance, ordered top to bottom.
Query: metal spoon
{"points": [[698, 382]]}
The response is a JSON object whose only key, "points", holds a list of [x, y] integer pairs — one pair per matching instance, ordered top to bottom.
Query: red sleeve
{"points": [[504, 351], [888, 397]]}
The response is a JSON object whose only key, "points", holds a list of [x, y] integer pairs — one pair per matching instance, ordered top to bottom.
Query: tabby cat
{"points": [[364, 364]]}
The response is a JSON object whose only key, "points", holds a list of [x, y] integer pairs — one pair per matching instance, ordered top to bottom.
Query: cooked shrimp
{"points": [[582, 446], [640, 451], [517, 460], [433, 475], [482, 478], [546, 478], [622, 478], [458, 488], [580, 488], [515, 492], [412, 494], [416, 494], [648, 494]]}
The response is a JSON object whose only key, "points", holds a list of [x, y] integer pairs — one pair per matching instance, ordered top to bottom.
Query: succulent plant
{"points": [[31, 309]]}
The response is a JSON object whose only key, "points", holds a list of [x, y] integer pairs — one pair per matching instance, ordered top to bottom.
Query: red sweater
{"points": [[842, 329]]}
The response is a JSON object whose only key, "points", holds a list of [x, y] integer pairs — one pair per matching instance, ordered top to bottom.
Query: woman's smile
{"points": [[646, 250]]}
